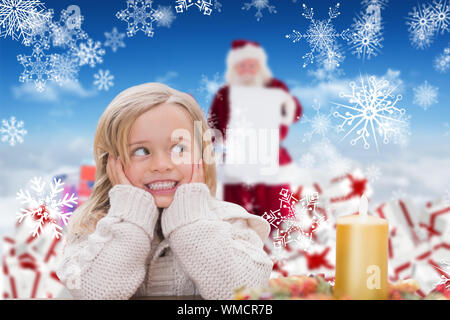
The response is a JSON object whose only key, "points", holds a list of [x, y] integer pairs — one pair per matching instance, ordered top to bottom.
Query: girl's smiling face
{"points": [[160, 158]]}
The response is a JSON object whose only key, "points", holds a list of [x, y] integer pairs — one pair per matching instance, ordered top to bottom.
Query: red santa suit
{"points": [[256, 198]]}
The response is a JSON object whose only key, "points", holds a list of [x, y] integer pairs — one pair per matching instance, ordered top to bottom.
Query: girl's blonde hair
{"points": [[111, 137]]}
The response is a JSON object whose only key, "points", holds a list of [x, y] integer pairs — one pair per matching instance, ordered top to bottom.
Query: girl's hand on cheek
{"points": [[114, 170], [198, 174]]}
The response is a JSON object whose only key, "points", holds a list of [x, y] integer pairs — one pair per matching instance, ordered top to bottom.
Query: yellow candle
{"points": [[361, 256]]}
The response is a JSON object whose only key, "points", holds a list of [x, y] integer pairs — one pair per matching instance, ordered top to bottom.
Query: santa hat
{"points": [[243, 49]]}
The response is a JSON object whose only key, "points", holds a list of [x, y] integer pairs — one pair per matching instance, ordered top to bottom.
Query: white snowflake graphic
{"points": [[382, 4], [204, 6], [217, 6], [259, 6], [139, 15], [441, 15], [165, 16], [18, 18], [421, 20], [427, 21], [41, 32], [67, 32], [322, 38], [114, 39], [366, 39], [421, 39], [366, 45], [74, 49], [89, 52], [331, 59], [442, 61], [37, 68], [64, 69], [324, 73], [103, 80], [210, 86], [425, 95], [372, 111], [213, 119], [241, 121], [320, 123], [447, 130], [12, 131], [398, 131], [325, 150], [324, 156], [307, 161], [339, 165], [373, 173], [399, 194], [447, 197], [45, 207], [295, 228], [294, 235], [279, 255], [445, 269], [72, 278]]}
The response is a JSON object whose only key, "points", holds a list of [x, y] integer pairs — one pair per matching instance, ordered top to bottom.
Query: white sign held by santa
{"points": [[252, 144]]}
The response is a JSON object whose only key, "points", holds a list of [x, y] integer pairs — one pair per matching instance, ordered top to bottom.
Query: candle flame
{"points": [[363, 206]]}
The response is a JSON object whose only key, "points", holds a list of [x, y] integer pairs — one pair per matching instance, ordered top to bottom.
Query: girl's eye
{"points": [[141, 152]]}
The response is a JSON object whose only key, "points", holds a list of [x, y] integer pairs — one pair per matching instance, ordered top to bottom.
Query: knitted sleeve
{"points": [[218, 255], [110, 262]]}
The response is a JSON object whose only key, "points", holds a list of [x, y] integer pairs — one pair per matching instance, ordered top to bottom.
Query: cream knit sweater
{"points": [[207, 247]]}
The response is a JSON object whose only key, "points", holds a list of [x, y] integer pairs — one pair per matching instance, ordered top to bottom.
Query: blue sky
{"points": [[61, 121]]}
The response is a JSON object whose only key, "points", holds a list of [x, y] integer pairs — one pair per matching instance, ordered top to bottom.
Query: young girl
{"points": [[152, 226]]}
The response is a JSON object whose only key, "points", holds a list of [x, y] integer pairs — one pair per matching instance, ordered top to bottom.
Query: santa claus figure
{"points": [[247, 67]]}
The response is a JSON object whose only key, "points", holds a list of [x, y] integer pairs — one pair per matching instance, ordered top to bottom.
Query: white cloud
{"points": [[166, 78], [210, 86], [52, 92], [323, 92], [326, 92], [59, 112], [81, 145], [22, 163], [421, 178], [9, 207]]}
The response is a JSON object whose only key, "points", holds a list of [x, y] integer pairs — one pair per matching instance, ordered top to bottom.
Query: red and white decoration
{"points": [[338, 197], [419, 240], [29, 265]]}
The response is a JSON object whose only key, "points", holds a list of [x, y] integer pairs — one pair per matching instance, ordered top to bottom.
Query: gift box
{"points": [[86, 183], [344, 193], [404, 216], [434, 219], [300, 242], [401, 244], [418, 245], [320, 260], [29, 264], [431, 265], [27, 276]]}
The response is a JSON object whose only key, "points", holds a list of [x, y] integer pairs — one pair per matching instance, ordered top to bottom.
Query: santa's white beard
{"points": [[258, 80]]}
